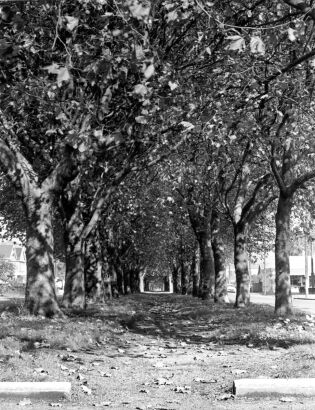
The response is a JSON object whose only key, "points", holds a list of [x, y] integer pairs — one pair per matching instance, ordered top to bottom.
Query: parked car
{"points": [[231, 288], [295, 289]]}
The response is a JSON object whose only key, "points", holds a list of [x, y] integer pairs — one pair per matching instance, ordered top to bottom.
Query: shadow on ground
{"points": [[173, 318]]}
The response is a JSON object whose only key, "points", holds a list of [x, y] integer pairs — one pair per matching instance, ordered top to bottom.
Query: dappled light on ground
{"points": [[168, 351]]}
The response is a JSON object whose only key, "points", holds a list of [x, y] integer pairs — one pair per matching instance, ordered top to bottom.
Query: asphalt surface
{"points": [[299, 302]]}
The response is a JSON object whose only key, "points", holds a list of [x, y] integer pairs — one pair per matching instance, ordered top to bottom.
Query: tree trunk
{"points": [[37, 199], [241, 266], [207, 272], [196, 273], [184, 278], [120, 279], [135, 280], [176, 283], [94, 285], [127, 286], [74, 291], [220, 293], [40, 294], [283, 303]]}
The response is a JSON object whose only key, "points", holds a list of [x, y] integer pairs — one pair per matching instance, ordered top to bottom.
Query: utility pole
{"points": [[312, 263], [265, 275], [307, 279]]}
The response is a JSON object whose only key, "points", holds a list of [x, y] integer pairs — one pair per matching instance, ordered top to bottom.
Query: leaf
{"points": [[138, 10], [172, 16], [72, 22], [291, 34], [237, 43], [256, 45], [52, 69], [149, 71], [63, 75], [172, 85], [140, 89], [141, 119], [189, 126], [238, 371], [104, 374], [162, 381], [182, 389], [86, 390], [226, 397], [287, 399], [25, 402], [55, 404]]}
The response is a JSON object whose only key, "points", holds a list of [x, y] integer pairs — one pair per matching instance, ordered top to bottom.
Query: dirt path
{"points": [[156, 352]]}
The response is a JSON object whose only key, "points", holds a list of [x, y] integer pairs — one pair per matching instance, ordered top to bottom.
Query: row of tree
{"points": [[104, 99]]}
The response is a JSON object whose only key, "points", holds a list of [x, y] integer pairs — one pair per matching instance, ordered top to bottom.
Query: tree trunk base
{"points": [[222, 299], [284, 311]]}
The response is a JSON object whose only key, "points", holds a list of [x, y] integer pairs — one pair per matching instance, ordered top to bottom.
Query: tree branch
{"points": [[302, 7], [291, 65], [65, 171], [299, 181], [250, 203]]}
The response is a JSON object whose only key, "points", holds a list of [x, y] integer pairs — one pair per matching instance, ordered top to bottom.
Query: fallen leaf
{"points": [[40, 370], [238, 371], [103, 374], [80, 377], [199, 380], [162, 381], [182, 389], [86, 390], [226, 397], [287, 399], [25, 402], [55, 404], [103, 404]]}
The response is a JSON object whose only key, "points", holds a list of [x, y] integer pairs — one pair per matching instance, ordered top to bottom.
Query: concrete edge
{"points": [[44, 390]]}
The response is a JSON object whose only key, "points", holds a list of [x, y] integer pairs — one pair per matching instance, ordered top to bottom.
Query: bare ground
{"points": [[156, 352]]}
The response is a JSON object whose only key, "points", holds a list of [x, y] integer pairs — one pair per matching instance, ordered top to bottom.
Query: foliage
{"points": [[7, 270]]}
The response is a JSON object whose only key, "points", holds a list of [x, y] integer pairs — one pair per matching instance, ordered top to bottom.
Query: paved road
{"points": [[300, 303]]}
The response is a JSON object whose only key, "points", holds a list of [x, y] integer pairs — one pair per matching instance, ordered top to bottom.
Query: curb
{"points": [[274, 387], [43, 390]]}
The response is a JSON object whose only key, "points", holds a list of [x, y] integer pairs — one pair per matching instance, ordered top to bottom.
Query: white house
{"points": [[15, 254]]}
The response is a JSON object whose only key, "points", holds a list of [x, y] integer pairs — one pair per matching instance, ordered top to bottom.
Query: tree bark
{"points": [[37, 199], [241, 266], [207, 271], [196, 272], [184, 278], [135, 280], [176, 282], [94, 285], [74, 291], [220, 292], [40, 294], [283, 302]]}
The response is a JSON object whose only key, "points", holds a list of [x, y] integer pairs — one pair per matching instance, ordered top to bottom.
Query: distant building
{"points": [[15, 254], [262, 273]]}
